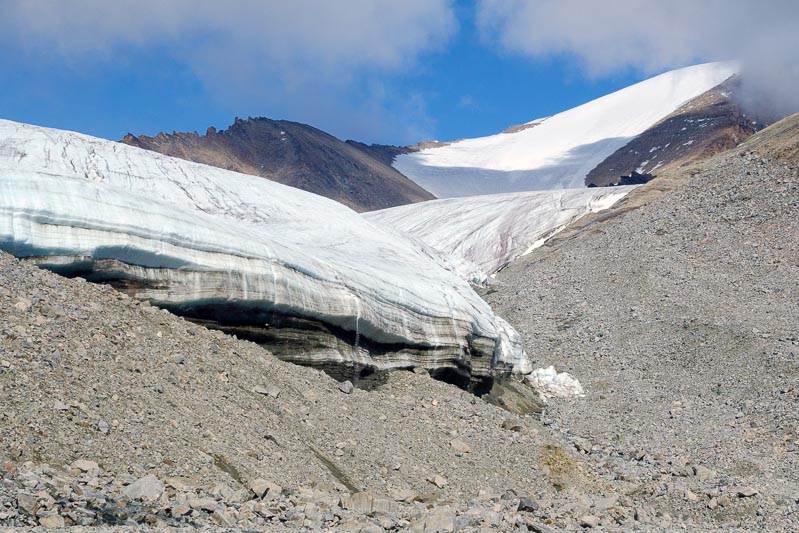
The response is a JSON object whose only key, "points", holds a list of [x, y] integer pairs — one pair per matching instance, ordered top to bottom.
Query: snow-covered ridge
{"points": [[560, 151], [484, 233], [188, 235]]}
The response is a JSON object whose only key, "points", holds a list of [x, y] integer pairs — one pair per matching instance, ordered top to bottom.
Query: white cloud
{"points": [[652, 35], [286, 52]]}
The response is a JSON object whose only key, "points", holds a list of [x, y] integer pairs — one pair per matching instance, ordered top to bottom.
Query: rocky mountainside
{"points": [[709, 124], [298, 155], [680, 320]]}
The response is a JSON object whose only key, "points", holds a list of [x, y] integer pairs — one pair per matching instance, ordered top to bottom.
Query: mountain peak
{"points": [[295, 154]]}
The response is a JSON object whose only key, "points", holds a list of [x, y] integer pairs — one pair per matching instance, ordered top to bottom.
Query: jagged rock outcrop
{"points": [[298, 155], [304, 274]]}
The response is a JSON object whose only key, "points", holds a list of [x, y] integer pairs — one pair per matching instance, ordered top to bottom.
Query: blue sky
{"points": [[374, 70]]}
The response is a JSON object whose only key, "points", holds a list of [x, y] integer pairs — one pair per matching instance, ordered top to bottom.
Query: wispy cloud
{"points": [[651, 35], [310, 56]]}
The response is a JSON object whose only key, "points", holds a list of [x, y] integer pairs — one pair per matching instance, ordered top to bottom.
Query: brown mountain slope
{"points": [[710, 123], [297, 155]]}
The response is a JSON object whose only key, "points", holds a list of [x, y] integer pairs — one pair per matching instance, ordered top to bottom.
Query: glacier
{"points": [[558, 152], [482, 234], [321, 283]]}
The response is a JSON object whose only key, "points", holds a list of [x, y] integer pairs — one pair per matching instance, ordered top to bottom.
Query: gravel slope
{"points": [[681, 321], [87, 373]]}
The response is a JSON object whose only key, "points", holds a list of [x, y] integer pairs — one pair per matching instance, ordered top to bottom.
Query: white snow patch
{"points": [[560, 151], [553, 384]]}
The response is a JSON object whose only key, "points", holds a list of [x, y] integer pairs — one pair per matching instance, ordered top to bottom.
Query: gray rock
{"points": [[346, 387], [270, 391], [511, 425], [459, 446], [85, 465], [704, 473], [438, 480], [148, 488], [262, 488], [224, 492], [746, 492], [405, 495], [690, 496], [360, 502], [27, 503], [203, 504], [603, 504], [528, 505], [180, 509], [222, 518], [440, 519], [52, 521], [589, 521]]}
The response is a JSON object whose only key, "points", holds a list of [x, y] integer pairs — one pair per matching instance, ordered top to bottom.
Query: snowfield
{"points": [[561, 150], [482, 234], [188, 235]]}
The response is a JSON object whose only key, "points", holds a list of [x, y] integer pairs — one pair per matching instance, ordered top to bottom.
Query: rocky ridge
{"points": [[357, 175]]}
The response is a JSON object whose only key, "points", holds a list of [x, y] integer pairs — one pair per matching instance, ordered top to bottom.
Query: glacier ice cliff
{"points": [[308, 276]]}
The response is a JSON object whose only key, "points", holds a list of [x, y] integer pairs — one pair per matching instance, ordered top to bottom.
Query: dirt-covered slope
{"points": [[299, 155], [680, 319]]}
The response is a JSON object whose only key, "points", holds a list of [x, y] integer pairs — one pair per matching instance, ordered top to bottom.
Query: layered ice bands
{"points": [[558, 152], [482, 234], [308, 275]]}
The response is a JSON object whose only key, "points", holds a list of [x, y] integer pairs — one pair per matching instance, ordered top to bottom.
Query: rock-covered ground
{"points": [[681, 320], [114, 412]]}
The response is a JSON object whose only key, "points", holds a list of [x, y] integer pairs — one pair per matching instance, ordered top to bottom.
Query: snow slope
{"points": [[560, 151], [484, 233], [187, 235]]}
